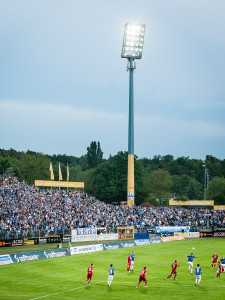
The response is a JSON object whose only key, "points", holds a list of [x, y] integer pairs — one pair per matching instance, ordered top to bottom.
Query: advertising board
{"points": [[59, 184], [191, 203], [165, 229], [87, 231], [219, 231], [192, 235], [86, 249], [27, 256], [5, 260]]}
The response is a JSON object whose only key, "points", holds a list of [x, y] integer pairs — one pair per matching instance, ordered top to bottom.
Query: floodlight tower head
{"points": [[133, 41]]}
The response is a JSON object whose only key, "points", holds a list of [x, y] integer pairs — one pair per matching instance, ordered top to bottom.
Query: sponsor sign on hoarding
{"points": [[59, 184], [192, 203], [219, 207], [164, 229], [151, 230], [87, 231], [219, 231], [90, 234], [193, 235], [107, 237], [172, 238], [155, 240], [142, 242], [128, 244], [112, 246], [86, 249], [20, 257], [5, 260]]}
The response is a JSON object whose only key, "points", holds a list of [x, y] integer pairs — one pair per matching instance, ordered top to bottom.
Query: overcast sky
{"points": [[64, 84]]}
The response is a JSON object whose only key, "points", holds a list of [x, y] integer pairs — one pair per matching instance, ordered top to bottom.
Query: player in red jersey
{"points": [[214, 260], [128, 263], [220, 270], [174, 272], [89, 274], [142, 277]]}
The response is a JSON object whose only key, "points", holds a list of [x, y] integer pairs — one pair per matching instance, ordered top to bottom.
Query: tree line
{"points": [[157, 179]]}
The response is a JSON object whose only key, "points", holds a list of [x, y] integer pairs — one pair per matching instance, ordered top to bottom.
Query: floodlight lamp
{"points": [[133, 37]]}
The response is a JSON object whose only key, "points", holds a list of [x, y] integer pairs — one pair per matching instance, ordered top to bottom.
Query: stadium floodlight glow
{"points": [[133, 41], [132, 49]]}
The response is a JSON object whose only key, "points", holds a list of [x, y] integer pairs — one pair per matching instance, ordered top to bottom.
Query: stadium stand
{"points": [[28, 211]]}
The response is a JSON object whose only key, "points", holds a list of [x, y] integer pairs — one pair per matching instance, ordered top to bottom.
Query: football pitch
{"points": [[63, 277]]}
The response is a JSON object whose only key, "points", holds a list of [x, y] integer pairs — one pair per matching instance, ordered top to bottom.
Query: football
{"points": [[193, 248]]}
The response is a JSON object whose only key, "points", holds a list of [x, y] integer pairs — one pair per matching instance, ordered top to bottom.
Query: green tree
{"points": [[94, 155], [4, 164], [110, 179], [160, 185], [216, 190], [191, 192]]}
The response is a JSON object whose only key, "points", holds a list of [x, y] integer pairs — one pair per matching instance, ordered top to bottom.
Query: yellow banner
{"points": [[51, 171], [60, 173], [59, 184], [192, 202], [219, 207], [183, 234]]}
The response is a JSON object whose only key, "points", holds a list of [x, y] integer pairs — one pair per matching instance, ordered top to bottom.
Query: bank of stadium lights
{"points": [[133, 41], [132, 49]]}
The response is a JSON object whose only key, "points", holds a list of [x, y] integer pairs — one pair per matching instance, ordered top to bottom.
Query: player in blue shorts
{"points": [[132, 261], [222, 261], [190, 262], [198, 272], [111, 274]]}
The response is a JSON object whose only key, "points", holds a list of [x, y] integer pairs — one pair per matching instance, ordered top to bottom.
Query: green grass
{"points": [[63, 278]]}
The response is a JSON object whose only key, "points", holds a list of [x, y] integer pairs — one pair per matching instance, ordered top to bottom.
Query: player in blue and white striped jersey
{"points": [[132, 261], [222, 261], [190, 262], [198, 272], [111, 274]]}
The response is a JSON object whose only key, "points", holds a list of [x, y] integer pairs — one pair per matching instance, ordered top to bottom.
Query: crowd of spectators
{"points": [[32, 210]]}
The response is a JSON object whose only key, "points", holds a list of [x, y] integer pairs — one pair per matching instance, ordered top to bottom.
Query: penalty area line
{"points": [[77, 288]]}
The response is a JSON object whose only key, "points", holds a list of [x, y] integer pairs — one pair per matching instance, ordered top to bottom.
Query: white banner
{"points": [[87, 231], [192, 235], [92, 237], [107, 237], [86, 249]]}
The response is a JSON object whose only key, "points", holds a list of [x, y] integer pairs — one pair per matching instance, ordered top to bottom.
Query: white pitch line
{"points": [[77, 288]]}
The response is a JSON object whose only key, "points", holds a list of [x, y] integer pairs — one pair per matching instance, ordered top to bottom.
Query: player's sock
{"points": [[191, 270], [137, 284]]}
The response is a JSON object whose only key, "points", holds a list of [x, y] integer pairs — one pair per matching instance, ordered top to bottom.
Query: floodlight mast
{"points": [[132, 49]]}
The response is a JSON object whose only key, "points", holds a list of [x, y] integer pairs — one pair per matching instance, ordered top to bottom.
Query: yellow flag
{"points": [[51, 171], [68, 172], [60, 173]]}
